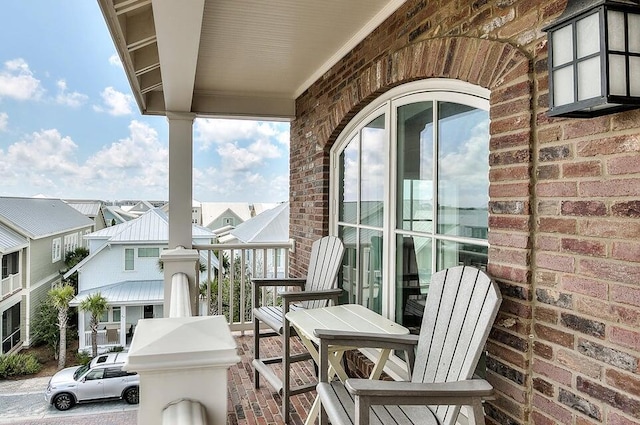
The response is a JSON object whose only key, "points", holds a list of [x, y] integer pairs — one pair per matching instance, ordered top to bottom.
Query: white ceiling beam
{"points": [[178, 25], [249, 107]]}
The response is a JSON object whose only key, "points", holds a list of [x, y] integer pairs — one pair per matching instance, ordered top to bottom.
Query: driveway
{"points": [[22, 402]]}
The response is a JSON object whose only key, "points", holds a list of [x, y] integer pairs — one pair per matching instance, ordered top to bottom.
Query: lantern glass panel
{"points": [[616, 30], [634, 32], [588, 35], [563, 46], [617, 75], [634, 75], [589, 81], [563, 86]]}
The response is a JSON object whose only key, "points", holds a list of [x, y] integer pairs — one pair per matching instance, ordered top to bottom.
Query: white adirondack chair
{"points": [[315, 290], [461, 306]]}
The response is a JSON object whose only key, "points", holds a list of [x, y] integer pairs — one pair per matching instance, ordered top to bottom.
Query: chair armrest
{"points": [[291, 281], [293, 296], [328, 337], [366, 339], [458, 392]]}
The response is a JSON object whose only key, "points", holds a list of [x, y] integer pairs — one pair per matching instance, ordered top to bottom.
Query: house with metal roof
{"points": [[92, 209], [219, 214], [35, 235], [124, 266]]}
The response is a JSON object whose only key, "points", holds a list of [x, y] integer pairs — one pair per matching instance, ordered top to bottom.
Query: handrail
{"points": [[227, 289]]}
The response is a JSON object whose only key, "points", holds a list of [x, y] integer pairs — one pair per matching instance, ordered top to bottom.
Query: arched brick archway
{"points": [[328, 106]]}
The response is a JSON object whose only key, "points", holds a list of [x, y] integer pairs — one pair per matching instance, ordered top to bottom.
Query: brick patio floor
{"points": [[249, 406]]}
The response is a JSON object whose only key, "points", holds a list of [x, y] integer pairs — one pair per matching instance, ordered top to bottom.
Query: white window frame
{"points": [[439, 89], [447, 90], [56, 250], [133, 259]]}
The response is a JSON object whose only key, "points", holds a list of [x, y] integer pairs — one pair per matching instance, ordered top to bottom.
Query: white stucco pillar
{"points": [[180, 178], [123, 326], [182, 358]]}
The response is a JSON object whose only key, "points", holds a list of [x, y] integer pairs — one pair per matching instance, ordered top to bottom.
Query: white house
{"points": [[35, 235], [123, 265]]}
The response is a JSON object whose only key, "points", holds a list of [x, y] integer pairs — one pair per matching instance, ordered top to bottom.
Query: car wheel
{"points": [[131, 395], [64, 401]]}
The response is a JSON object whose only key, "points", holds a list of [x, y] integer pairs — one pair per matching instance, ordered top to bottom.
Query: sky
{"points": [[70, 127]]}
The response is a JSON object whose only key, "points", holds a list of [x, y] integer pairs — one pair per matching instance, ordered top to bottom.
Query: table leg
{"points": [[379, 365]]}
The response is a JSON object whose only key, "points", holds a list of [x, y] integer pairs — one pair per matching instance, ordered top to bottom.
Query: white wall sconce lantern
{"points": [[594, 58]]}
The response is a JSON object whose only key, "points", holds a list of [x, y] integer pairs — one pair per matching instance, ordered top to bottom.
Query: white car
{"points": [[102, 378]]}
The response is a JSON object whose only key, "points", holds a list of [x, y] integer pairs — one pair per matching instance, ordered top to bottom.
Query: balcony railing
{"points": [[239, 263], [10, 284]]}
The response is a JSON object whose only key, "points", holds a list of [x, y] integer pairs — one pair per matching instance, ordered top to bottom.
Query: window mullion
{"points": [[436, 143]]}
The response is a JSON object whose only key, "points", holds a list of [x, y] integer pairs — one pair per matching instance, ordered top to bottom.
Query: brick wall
{"points": [[564, 209]]}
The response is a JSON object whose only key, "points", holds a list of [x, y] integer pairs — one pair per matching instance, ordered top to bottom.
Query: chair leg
{"points": [[286, 348], [256, 351]]}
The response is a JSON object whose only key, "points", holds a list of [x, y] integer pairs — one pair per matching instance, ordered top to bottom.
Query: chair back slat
{"points": [[324, 264], [461, 306]]}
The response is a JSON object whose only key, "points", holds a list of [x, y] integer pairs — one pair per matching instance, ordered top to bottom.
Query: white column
{"points": [[180, 178], [123, 326], [81, 335]]}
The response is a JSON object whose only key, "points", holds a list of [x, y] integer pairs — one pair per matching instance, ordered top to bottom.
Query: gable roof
{"points": [[88, 208], [211, 211], [40, 217], [270, 226], [151, 227], [10, 240]]}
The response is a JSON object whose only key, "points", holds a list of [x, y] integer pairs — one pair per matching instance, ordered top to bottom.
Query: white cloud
{"points": [[114, 60], [17, 81], [73, 99], [115, 103], [4, 121], [220, 131], [46, 162], [224, 184]]}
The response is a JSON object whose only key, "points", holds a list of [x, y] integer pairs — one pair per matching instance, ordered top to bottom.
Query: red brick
{"points": [[579, 128], [608, 146], [623, 165], [582, 169], [515, 172], [610, 188], [557, 189], [508, 190], [584, 208], [512, 223], [557, 225], [612, 229], [512, 240], [547, 243], [584, 247], [628, 251], [555, 262], [608, 270], [584, 286], [626, 294], [544, 314], [555, 336], [625, 337], [578, 363], [623, 381], [551, 408], [615, 419]]}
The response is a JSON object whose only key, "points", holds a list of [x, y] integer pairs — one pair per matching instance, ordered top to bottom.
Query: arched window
{"points": [[409, 192]]}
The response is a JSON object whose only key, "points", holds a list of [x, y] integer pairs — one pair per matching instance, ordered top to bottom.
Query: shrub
{"points": [[83, 357], [18, 364]]}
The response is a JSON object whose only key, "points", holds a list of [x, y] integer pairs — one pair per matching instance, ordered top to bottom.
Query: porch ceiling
{"points": [[230, 58]]}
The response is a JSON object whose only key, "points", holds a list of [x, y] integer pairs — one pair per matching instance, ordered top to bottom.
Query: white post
{"points": [[180, 178], [180, 260], [123, 326], [81, 336], [182, 358]]}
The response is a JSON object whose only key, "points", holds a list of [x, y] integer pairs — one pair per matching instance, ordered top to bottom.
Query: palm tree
{"points": [[61, 296], [95, 304]]}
